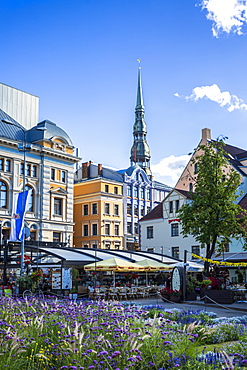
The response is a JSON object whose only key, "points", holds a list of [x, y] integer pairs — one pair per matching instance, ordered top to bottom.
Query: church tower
{"points": [[140, 152]]}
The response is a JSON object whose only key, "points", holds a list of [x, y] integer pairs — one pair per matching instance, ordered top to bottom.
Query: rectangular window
{"points": [[1, 164], [8, 165], [22, 169], [28, 169], [34, 171], [53, 174], [63, 176], [107, 188], [115, 190], [129, 191], [135, 192], [142, 193], [148, 194], [177, 205], [57, 206], [170, 207], [107, 208], [85, 209], [94, 209], [116, 209], [129, 209], [148, 209], [136, 210], [142, 210], [129, 228], [136, 228], [94, 229], [107, 229], [116, 229], [85, 230], [174, 230], [150, 232], [56, 237], [94, 246], [196, 250], [175, 252]]}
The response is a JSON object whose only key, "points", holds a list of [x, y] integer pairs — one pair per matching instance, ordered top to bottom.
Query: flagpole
{"points": [[23, 205]]}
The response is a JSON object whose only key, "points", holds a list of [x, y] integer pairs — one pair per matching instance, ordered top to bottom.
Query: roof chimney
{"points": [[206, 135], [99, 169], [85, 170]]}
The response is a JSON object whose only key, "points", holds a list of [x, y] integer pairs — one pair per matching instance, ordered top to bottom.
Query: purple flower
{"points": [[102, 353]]}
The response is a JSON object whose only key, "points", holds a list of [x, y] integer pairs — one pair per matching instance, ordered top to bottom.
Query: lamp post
{"points": [[22, 147]]}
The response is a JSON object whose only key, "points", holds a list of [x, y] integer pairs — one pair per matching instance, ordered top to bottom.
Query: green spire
{"points": [[139, 99], [140, 152]]}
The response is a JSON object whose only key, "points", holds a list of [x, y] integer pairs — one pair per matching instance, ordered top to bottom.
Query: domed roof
{"points": [[47, 130]]}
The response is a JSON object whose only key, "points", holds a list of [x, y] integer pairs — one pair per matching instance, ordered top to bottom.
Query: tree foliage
{"points": [[213, 215]]}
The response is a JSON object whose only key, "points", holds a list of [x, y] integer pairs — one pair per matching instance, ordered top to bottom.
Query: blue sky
{"points": [[80, 58]]}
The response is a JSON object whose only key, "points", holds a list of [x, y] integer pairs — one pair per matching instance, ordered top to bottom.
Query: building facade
{"points": [[48, 153], [98, 208], [161, 228]]}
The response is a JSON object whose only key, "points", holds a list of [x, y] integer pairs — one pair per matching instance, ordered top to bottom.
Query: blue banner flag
{"points": [[20, 204]]}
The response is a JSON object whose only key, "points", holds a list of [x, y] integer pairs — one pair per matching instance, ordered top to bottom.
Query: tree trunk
{"points": [[210, 251]]}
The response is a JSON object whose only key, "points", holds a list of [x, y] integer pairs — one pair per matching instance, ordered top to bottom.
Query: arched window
{"points": [[3, 195], [30, 207]]}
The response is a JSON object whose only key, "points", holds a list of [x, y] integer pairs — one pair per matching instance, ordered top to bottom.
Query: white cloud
{"points": [[227, 15], [213, 92], [169, 169]]}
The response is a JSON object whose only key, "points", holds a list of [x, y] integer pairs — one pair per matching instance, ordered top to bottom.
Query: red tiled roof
{"points": [[157, 212]]}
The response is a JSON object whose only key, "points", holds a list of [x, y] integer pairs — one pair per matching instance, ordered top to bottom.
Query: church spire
{"points": [[140, 152]]}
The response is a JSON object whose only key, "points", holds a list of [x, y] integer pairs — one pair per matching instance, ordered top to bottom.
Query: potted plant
{"points": [[36, 278], [24, 282], [205, 285], [191, 286], [166, 293], [218, 294], [176, 296]]}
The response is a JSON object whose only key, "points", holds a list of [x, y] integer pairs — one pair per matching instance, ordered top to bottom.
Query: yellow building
{"points": [[98, 209]]}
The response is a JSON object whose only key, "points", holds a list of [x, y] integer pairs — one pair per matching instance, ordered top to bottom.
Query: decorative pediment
{"points": [[58, 190]]}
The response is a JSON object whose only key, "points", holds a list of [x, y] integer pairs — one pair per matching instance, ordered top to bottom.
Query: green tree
{"points": [[213, 215]]}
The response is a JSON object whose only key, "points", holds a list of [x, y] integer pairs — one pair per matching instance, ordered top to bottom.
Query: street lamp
{"points": [[22, 147]]}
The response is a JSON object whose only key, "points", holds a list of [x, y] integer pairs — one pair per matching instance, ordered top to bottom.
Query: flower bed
{"points": [[52, 334]]}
